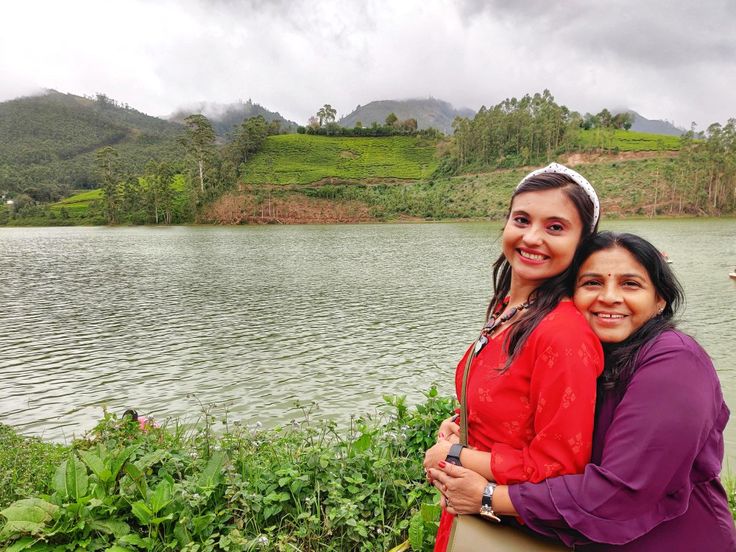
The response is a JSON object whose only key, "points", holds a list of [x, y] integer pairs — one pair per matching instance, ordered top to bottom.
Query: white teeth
{"points": [[531, 256], [605, 315]]}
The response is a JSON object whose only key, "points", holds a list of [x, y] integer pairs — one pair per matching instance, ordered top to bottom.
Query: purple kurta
{"points": [[652, 484]]}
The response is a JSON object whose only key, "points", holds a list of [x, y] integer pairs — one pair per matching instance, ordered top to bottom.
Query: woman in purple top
{"points": [[653, 481]]}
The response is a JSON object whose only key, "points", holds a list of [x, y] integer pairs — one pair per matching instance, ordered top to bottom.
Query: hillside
{"points": [[429, 113], [225, 117], [654, 126], [48, 142], [304, 159]]}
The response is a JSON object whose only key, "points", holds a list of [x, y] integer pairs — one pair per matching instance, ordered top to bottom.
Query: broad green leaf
{"points": [[363, 443], [152, 458], [115, 462], [96, 464], [212, 472], [138, 477], [75, 479], [59, 484], [160, 497], [29, 509], [142, 512], [430, 512], [157, 520], [199, 523], [110, 526], [21, 528], [416, 532], [181, 535], [133, 539], [21, 544], [31, 544], [116, 548]]}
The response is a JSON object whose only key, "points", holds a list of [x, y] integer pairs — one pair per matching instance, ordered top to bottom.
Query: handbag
{"points": [[471, 533]]}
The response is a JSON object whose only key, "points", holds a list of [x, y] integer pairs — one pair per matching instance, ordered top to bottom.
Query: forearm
{"points": [[478, 461], [502, 504]]}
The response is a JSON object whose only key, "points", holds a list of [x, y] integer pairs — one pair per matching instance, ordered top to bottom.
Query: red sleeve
{"points": [[565, 358]]}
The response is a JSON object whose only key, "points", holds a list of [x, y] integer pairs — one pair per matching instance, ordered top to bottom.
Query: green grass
{"points": [[627, 140], [302, 159], [77, 205], [26, 465]]}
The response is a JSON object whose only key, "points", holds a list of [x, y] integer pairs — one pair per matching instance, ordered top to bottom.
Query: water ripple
{"points": [[255, 318]]}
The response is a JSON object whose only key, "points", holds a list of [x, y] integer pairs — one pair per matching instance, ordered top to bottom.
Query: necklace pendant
{"points": [[482, 340]]}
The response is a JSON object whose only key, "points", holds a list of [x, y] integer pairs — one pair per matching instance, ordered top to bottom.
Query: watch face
{"points": [[453, 460]]}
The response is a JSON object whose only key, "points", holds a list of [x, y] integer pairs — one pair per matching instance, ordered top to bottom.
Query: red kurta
{"points": [[536, 418]]}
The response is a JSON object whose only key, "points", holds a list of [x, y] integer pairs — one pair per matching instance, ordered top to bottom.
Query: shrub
{"points": [[305, 486]]}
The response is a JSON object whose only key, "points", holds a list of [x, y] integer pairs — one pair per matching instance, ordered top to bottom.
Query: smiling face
{"points": [[541, 235], [615, 294]]}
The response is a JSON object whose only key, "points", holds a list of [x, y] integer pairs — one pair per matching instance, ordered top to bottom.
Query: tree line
{"points": [[323, 124], [525, 131], [173, 192]]}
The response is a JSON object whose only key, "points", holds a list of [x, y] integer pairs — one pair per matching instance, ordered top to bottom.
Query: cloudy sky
{"points": [[666, 59]]}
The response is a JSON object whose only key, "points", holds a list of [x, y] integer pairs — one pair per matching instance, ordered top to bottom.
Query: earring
{"points": [[660, 311]]}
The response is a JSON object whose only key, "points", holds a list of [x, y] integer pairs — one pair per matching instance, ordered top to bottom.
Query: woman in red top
{"points": [[531, 386]]}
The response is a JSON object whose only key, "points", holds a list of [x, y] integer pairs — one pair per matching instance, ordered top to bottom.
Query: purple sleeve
{"points": [[644, 477]]}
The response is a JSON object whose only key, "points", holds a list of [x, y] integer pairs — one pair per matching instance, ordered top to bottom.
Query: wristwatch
{"points": [[453, 457], [486, 508]]}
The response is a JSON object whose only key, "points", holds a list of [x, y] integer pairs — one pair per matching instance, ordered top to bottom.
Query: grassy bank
{"points": [[638, 187], [218, 485]]}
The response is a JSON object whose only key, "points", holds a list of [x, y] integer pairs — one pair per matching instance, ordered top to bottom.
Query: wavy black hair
{"points": [[554, 289], [620, 357]]}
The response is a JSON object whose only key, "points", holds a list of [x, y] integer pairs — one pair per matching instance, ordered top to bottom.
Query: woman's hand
{"points": [[449, 430], [436, 454], [461, 488]]}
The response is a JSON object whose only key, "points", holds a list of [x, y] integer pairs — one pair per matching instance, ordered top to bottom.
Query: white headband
{"points": [[576, 177]]}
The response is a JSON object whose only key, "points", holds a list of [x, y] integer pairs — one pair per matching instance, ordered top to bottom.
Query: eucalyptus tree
{"points": [[326, 114], [199, 140], [108, 170]]}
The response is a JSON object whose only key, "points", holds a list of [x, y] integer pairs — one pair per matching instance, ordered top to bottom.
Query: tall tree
{"points": [[326, 114], [199, 140], [108, 170]]}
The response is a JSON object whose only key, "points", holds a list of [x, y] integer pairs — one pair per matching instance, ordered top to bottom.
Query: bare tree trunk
{"points": [[201, 175]]}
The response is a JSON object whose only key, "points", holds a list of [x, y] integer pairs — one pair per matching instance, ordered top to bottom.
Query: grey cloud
{"points": [[659, 33]]}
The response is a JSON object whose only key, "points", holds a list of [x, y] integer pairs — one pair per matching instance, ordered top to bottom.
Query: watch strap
{"points": [[453, 457], [486, 507]]}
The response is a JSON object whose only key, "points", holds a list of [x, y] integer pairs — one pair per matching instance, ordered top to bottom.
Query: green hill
{"points": [[48, 142], [304, 159]]}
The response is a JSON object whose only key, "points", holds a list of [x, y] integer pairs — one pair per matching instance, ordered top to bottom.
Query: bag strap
{"points": [[464, 398]]}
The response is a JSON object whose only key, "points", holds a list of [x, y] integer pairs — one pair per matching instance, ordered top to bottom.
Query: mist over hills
{"points": [[429, 113], [225, 117]]}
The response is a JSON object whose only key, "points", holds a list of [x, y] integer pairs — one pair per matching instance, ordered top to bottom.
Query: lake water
{"points": [[254, 318]]}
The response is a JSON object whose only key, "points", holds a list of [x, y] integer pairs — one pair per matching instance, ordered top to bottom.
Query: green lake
{"points": [[253, 319]]}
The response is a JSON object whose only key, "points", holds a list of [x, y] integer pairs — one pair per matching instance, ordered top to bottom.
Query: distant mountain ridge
{"points": [[429, 113], [225, 117], [654, 126]]}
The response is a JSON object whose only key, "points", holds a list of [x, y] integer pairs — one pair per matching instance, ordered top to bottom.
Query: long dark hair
{"points": [[548, 295], [620, 357]]}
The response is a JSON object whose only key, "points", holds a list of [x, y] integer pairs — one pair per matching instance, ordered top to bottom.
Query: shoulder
{"points": [[564, 319], [564, 329], [678, 353]]}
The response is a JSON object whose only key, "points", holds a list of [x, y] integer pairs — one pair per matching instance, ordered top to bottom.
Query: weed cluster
{"points": [[303, 486]]}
